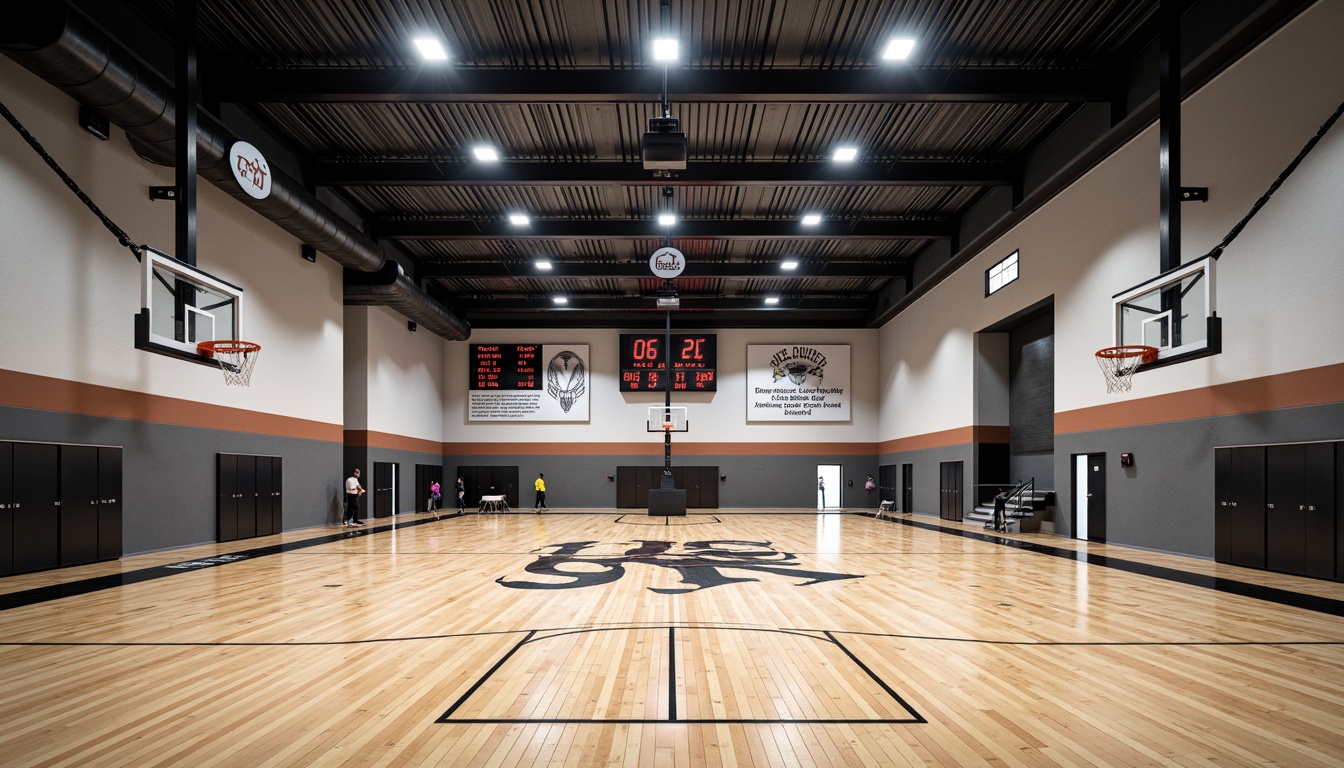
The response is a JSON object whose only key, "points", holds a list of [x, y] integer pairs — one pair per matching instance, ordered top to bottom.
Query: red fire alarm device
{"points": [[1126, 459]]}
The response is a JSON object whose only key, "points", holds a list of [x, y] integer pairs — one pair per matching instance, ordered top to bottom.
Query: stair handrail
{"points": [[1020, 492]]}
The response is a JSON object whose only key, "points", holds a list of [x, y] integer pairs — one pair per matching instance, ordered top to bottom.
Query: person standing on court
{"points": [[540, 486], [821, 488], [353, 490], [434, 496], [461, 496], [1000, 506]]}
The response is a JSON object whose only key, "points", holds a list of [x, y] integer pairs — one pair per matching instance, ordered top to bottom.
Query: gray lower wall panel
{"points": [[168, 472], [927, 478], [580, 481], [409, 498], [1165, 501]]}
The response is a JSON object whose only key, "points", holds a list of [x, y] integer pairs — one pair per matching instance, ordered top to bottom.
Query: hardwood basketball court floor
{"points": [[740, 638]]}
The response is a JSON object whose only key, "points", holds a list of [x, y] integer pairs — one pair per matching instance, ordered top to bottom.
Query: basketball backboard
{"points": [[181, 306], [1174, 312], [662, 415]]}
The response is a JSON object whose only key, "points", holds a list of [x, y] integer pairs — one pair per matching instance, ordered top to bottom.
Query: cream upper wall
{"points": [[1278, 288], [70, 291], [405, 377], [617, 416]]}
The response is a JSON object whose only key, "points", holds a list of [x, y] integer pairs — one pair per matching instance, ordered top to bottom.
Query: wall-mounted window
{"points": [[1001, 274]]}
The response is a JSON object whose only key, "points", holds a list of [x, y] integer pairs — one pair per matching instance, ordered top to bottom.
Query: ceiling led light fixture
{"points": [[431, 49], [665, 49], [898, 49], [485, 154], [844, 154], [666, 219], [811, 219], [519, 220], [543, 264], [790, 264], [560, 300], [772, 300]]}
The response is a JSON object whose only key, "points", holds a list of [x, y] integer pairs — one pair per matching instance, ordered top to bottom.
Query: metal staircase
{"points": [[1023, 503]]}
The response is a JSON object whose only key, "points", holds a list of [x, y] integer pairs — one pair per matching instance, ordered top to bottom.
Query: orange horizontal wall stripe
{"points": [[1312, 386], [44, 393]]}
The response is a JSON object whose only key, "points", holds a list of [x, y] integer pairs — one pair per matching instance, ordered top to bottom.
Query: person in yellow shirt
{"points": [[540, 486]]}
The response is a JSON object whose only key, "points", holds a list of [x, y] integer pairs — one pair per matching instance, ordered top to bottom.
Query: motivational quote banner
{"points": [[798, 382]]}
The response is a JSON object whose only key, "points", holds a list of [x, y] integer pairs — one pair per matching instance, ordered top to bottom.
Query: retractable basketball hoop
{"points": [[236, 358], [1118, 364]]}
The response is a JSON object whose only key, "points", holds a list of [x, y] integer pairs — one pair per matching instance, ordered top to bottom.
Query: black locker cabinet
{"points": [[226, 485], [950, 490], [247, 497], [264, 497], [109, 503], [79, 504], [1239, 506], [36, 507], [6, 509], [1300, 509], [1339, 511]]}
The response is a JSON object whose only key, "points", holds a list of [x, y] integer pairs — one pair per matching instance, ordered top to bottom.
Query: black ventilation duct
{"points": [[62, 47], [664, 145]]}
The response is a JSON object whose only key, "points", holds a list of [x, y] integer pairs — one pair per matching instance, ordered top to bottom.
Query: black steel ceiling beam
{"points": [[447, 86], [338, 173], [458, 229], [487, 270], [829, 303]]}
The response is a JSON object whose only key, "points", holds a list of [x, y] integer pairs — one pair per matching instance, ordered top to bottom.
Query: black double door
{"points": [[490, 481], [700, 483], [950, 487], [386, 491], [249, 496], [60, 505], [1239, 506], [1278, 507], [1300, 509]]}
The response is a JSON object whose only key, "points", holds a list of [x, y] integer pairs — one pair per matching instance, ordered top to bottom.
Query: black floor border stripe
{"points": [[50, 592], [1306, 602]]}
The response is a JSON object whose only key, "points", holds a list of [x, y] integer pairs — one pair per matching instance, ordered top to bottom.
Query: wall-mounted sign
{"points": [[250, 169], [667, 262], [644, 361], [528, 382], [798, 382]]}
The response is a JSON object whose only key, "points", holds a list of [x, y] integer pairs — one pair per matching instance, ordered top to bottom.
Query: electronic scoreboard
{"points": [[644, 362]]}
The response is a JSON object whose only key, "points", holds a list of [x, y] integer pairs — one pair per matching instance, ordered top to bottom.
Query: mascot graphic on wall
{"points": [[797, 364], [564, 378]]}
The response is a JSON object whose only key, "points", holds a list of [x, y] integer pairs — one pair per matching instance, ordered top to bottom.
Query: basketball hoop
{"points": [[236, 358], [1119, 364], [667, 426]]}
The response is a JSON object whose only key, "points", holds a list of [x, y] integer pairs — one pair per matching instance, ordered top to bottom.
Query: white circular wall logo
{"points": [[250, 170], [667, 262]]}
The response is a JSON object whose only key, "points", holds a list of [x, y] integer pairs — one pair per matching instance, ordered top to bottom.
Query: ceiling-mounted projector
{"points": [[664, 145]]}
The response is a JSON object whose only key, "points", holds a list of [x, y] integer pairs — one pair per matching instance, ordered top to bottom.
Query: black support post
{"points": [[1169, 129]]}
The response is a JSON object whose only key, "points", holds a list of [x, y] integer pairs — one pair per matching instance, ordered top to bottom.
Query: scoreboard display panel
{"points": [[644, 362], [505, 366]]}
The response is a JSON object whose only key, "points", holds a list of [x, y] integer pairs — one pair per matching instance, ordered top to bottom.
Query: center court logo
{"points": [[700, 563]]}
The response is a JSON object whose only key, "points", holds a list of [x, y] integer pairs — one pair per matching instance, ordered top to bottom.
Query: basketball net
{"points": [[236, 359], [1119, 364]]}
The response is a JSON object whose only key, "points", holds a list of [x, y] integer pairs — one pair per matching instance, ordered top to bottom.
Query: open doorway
{"points": [[828, 486], [1089, 496]]}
